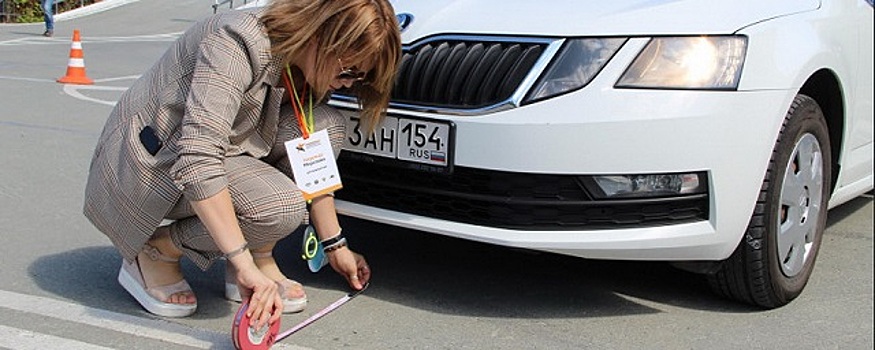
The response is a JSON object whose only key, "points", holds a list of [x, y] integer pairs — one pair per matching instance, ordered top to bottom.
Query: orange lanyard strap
{"points": [[305, 120]]}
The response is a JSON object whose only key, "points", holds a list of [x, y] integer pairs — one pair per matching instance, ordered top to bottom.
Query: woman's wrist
{"points": [[332, 239], [334, 242], [336, 246], [338, 251], [235, 252], [240, 257], [243, 262]]}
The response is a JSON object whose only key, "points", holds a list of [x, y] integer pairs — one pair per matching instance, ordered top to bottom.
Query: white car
{"points": [[713, 134]]}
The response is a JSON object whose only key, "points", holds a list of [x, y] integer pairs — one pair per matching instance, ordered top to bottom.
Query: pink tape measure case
{"points": [[247, 338]]}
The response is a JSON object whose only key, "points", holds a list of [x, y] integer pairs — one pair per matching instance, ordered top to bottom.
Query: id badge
{"points": [[313, 164], [311, 250]]}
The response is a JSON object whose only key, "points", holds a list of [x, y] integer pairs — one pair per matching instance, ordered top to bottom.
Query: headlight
{"points": [[706, 62], [574, 66], [646, 185]]}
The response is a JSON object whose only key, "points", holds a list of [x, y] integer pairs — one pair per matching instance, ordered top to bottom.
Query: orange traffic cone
{"points": [[76, 65]]}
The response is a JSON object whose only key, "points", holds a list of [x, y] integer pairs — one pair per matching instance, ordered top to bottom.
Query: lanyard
{"points": [[305, 120]]}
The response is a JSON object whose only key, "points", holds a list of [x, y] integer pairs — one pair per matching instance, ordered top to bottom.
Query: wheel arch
{"points": [[824, 87]]}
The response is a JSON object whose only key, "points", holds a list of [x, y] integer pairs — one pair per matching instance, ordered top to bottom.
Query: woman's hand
{"points": [[217, 214], [346, 262], [351, 266], [265, 304]]}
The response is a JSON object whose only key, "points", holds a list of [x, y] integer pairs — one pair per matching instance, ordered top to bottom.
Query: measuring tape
{"points": [[249, 338]]}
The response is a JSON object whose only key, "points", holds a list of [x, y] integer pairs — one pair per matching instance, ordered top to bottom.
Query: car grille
{"points": [[463, 73], [508, 200]]}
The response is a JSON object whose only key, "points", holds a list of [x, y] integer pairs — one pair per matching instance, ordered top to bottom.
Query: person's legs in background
{"points": [[48, 12]]}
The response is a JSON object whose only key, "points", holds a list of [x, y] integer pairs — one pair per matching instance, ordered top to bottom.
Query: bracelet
{"points": [[330, 241], [334, 245], [337, 245], [237, 251]]}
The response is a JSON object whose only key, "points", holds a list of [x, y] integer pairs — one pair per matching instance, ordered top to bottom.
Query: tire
{"points": [[774, 259]]}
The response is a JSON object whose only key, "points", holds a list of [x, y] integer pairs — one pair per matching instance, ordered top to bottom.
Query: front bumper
{"points": [[728, 135]]}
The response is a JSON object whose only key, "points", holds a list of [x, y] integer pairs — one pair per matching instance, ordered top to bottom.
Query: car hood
{"points": [[590, 18]]}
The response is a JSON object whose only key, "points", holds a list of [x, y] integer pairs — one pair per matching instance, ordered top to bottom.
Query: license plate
{"points": [[413, 140]]}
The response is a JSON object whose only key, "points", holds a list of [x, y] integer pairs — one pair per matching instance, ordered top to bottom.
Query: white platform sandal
{"points": [[152, 299]]}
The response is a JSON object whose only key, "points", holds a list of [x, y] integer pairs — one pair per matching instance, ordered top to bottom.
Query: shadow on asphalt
{"points": [[36, 33], [839, 213], [430, 272], [88, 277], [459, 277]]}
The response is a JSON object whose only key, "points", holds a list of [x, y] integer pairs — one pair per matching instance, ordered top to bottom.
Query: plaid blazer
{"points": [[215, 93]]}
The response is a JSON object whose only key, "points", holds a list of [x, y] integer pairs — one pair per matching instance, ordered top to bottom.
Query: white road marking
{"points": [[91, 9], [30, 41], [127, 77], [33, 80], [74, 91], [137, 326], [21, 339]]}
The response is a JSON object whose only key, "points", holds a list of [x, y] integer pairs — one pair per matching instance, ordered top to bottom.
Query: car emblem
{"points": [[404, 20]]}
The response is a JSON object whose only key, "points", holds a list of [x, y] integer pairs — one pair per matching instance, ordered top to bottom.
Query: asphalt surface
{"points": [[58, 286]]}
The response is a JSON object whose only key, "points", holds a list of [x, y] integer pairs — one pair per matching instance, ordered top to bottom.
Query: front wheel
{"points": [[774, 259]]}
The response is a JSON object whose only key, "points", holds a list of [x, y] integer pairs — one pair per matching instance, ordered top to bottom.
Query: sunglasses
{"points": [[350, 73]]}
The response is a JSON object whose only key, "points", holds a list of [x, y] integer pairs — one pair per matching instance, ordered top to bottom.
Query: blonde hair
{"points": [[365, 28]]}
